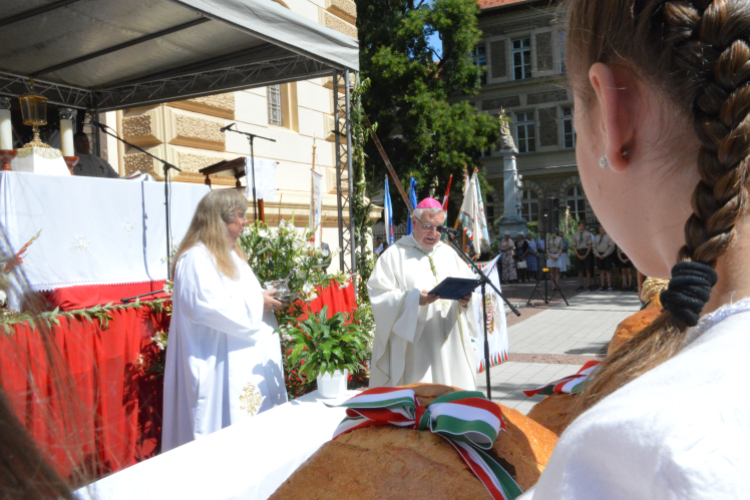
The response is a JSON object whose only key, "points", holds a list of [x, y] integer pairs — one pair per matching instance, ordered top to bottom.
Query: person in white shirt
{"points": [[661, 114], [90, 165], [378, 246], [604, 249], [418, 336], [224, 358]]}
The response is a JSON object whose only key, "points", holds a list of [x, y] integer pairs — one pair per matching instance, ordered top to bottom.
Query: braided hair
{"points": [[697, 54]]}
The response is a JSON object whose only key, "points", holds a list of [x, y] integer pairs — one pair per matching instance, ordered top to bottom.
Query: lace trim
{"points": [[47, 153], [710, 320]]}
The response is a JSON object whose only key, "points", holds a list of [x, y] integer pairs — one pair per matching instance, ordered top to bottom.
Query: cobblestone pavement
{"points": [[556, 342]]}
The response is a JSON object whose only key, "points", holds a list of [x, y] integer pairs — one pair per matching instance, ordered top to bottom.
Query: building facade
{"points": [[523, 50], [296, 115]]}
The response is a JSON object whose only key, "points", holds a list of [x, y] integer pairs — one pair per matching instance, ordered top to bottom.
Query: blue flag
{"points": [[413, 200], [388, 215]]}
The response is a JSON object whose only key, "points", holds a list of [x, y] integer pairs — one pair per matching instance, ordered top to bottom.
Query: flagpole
{"points": [[399, 186]]}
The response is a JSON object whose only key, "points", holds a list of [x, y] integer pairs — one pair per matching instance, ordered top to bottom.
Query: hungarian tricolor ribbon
{"points": [[572, 384], [466, 419]]}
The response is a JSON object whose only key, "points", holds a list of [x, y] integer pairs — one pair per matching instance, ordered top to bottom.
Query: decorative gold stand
{"points": [[6, 156], [71, 161]]}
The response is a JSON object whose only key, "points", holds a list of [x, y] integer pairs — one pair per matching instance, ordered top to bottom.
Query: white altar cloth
{"points": [[34, 163], [94, 231], [247, 461]]}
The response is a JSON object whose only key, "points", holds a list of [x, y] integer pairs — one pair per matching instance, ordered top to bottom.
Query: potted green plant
{"points": [[328, 349]]}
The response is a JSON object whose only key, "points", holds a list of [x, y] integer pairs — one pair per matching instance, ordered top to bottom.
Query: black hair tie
{"points": [[688, 291]]}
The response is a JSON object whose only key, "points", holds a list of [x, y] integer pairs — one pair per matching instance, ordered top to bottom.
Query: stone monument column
{"points": [[512, 221]]}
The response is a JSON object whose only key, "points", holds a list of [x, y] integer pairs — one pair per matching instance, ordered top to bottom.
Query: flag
{"points": [[447, 194], [413, 200], [316, 207], [388, 215], [482, 216], [472, 217]]}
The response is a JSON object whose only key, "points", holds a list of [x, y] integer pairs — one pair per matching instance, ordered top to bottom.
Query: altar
{"points": [[246, 461]]}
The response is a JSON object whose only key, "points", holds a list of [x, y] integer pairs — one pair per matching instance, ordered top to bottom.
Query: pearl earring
{"points": [[603, 162]]}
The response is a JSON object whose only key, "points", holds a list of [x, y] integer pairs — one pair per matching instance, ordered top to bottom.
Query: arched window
{"points": [[576, 202], [530, 205]]}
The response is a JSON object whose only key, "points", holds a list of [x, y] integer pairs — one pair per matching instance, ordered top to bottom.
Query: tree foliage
{"points": [[426, 129]]}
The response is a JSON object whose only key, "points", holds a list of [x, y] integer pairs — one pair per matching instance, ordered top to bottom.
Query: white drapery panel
{"points": [[94, 231]]}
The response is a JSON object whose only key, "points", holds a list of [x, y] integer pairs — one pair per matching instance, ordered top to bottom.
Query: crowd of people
{"points": [[524, 259]]}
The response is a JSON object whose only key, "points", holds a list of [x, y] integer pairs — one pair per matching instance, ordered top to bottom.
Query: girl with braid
{"points": [[662, 113]]}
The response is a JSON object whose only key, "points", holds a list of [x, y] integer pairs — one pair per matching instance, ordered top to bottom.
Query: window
{"points": [[522, 58], [480, 60], [563, 69], [274, 105], [569, 132], [525, 133], [576, 202], [530, 205], [489, 209]]}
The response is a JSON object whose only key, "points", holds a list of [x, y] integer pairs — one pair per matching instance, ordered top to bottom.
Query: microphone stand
{"points": [[251, 138], [167, 166], [483, 281]]}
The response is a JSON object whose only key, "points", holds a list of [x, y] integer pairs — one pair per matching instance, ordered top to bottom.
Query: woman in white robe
{"points": [[223, 357]]}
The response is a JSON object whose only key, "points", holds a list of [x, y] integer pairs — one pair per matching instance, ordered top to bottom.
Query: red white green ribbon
{"points": [[573, 384], [468, 421]]}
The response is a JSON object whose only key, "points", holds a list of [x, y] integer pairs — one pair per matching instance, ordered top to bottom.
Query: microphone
{"points": [[98, 124], [224, 129], [452, 233]]}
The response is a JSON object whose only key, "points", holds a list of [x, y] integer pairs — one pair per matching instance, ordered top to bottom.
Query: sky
{"points": [[435, 41]]}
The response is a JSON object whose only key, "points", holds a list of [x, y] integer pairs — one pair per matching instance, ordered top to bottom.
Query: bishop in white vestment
{"points": [[419, 337], [223, 358]]}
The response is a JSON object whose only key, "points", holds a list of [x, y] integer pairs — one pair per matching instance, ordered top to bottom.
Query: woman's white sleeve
{"points": [[207, 302]]}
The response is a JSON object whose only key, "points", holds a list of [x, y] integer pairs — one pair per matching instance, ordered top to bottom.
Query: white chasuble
{"points": [[414, 343], [223, 357]]}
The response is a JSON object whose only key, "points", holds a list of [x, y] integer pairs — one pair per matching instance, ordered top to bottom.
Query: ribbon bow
{"points": [[572, 384], [468, 421]]}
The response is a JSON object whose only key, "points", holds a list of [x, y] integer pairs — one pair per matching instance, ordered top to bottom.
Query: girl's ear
{"points": [[618, 97]]}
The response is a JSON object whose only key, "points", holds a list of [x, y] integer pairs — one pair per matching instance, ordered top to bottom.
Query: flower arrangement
{"points": [[287, 252]]}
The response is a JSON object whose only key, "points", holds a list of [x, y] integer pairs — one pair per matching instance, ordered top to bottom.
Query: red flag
{"points": [[447, 193]]}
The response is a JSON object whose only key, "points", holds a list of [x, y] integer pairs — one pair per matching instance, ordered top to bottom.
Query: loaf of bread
{"points": [[630, 326], [555, 412], [387, 462]]}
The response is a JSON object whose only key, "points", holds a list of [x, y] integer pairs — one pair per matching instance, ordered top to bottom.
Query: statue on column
{"points": [[512, 220]]}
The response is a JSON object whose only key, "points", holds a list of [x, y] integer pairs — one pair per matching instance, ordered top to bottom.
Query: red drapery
{"points": [[337, 299], [116, 403], [118, 418]]}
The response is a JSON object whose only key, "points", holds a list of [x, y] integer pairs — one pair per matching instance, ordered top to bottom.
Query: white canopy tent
{"points": [[105, 54]]}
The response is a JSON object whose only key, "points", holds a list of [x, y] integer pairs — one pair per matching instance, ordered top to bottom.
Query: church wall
{"points": [[187, 133]]}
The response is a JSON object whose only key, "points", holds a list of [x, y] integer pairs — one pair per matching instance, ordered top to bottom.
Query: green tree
{"points": [[415, 93]]}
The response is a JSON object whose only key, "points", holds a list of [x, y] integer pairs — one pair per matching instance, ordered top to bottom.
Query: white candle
{"points": [[6, 130], [66, 137]]}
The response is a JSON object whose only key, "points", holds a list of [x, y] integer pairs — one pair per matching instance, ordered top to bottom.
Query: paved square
{"points": [[556, 343]]}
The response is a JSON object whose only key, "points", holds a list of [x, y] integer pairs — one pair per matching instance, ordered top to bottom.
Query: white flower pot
{"points": [[331, 387]]}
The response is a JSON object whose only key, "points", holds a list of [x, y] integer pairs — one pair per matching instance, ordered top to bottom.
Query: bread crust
{"points": [[394, 463]]}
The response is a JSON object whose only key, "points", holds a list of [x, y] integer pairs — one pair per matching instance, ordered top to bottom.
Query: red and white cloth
{"points": [[572, 384]]}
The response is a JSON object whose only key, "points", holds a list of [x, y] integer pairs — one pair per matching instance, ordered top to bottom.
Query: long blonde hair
{"points": [[696, 52], [209, 226]]}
